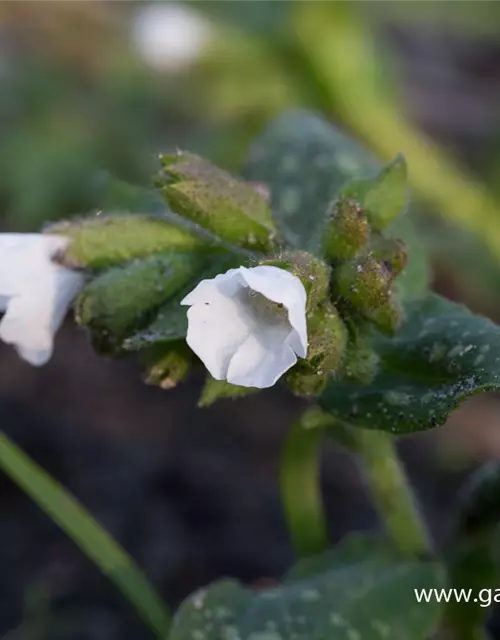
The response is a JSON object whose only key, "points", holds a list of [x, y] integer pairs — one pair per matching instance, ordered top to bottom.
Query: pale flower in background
{"points": [[170, 36], [35, 293], [248, 325]]}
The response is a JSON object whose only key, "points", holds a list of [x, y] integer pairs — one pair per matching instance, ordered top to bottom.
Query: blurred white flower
{"points": [[170, 36], [35, 293], [248, 325]]}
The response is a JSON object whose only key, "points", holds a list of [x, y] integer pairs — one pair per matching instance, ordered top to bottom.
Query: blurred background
{"points": [[90, 92]]}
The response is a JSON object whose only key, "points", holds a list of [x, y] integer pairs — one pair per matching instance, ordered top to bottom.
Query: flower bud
{"points": [[211, 197], [346, 231], [101, 242], [391, 251], [311, 271], [365, 283], [118, 303]]}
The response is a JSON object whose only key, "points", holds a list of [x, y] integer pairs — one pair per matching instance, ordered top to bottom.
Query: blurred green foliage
{"points": [[82, 106]]}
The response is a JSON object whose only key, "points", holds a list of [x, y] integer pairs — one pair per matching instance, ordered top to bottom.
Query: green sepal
{"points": [[384, 197], [214, 199], [346, 230], [106, 241], [313, 272], [124, 299], [170, 324], [327, 336], [361, 361], [166, 365], [214, 390]]}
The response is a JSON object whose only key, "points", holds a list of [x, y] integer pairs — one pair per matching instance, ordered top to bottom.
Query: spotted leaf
{"points": [[441, 355], [361, 590]]}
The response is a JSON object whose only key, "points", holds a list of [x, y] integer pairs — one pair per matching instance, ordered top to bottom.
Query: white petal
{"points": [[170, 36], [228, 283], [282, 287], [35, 292], [216, 328], [257, 365]]}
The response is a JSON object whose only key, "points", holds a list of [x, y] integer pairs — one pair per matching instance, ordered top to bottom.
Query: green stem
{"points": [[300, 483], [391, 493], [81, 527]]}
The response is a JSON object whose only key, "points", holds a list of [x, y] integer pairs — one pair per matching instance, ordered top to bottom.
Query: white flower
{"points": [[170, 36], [35, 293], [248, 325]]}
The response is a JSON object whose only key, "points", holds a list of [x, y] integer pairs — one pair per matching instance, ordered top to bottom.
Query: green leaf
{"points": [[306, 162], [385, 196], [214, 199], [105, 241], [413, 281], [124, 299], [441, 355], [214, 390], [88, 534], [471, 552], [362, 591], [212, 613]]}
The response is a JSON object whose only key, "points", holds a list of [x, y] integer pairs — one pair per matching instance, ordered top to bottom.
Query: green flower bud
{"points": [[211, 197], [346, 231], [106, 241], [391, 251], [313, 272], [365, 283], [117, 304], [327, 342], [166, 366], [214, 390]]}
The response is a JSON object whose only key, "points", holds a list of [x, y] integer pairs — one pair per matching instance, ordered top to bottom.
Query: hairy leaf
{"points": [[306, 163], [441, 355], [362, 591]]}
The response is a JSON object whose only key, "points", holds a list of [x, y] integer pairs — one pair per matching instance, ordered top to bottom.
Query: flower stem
{"points": [[300, 483], [391, 493]]}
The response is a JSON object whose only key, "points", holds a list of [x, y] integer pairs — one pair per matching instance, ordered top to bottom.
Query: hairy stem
{"points": [[300, 483], [391, 493]]}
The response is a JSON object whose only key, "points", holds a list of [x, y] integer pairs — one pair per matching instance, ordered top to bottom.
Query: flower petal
{"points": [[170, 36], [228, 283], [282, 287], [35, 292], [217, 327], [257, 365]]}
